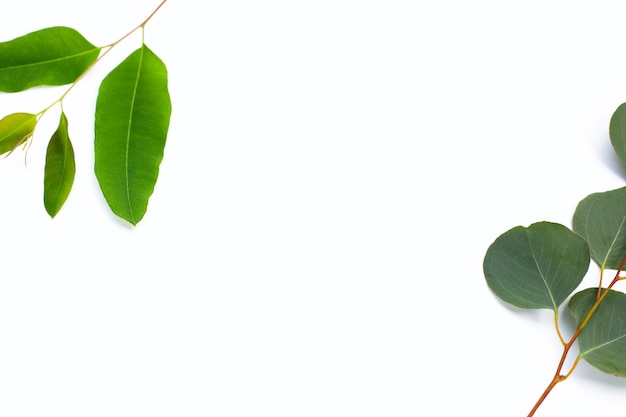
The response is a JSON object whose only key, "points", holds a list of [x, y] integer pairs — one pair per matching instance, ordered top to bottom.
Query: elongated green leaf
{"points": [[52, 56], [132, 118], [15, 129], [617, 132], [60, 169], [601, 219], [536, 267], [602, 341]]}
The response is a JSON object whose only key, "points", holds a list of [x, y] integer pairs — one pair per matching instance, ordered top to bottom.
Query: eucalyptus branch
{"points": [[129, 141], [542, 265], [558, 377]]}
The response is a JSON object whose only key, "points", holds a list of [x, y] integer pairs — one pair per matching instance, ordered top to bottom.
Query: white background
{"points": [[334, 173]]}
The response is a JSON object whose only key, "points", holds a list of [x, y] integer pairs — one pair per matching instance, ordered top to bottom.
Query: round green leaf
{"points": [[51, 56], [132, 118], [15, 129], [601, 219], [536, 267], [602, 341]]}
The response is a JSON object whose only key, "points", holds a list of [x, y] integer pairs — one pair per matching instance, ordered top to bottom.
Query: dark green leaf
{"points": [[52, 56], [132, 118], [15, 129], [617, 132], [60, 169], [601, 219], [536, 267], [603, 339]]}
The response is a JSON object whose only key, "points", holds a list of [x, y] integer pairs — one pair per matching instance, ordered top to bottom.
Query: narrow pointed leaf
{"points": [[51, 56], [132, 118], [15, 129], [617, 132], [60, 169], [601, 219], [536, 267], [602, 341]]}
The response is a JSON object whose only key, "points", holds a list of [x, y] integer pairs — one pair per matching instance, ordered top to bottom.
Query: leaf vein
{"points": [[49, 61]]}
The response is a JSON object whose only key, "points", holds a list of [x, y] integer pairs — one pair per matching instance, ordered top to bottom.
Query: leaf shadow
{"points": [[609, 156], [536, 315], [588, 372]]}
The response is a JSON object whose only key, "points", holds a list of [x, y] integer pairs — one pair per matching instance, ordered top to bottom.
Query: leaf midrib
{"points": [[49, 61], [12, 132], [128, 134], [64, 165], [619, 231], [543, 278], [608, 342]]}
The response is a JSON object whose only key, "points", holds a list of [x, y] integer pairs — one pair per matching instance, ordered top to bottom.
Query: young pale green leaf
{"points": [[52, 56], [132, 118], [15, 129], [617, 132], [60, 169], [601, 219], [536, 267], [602, 341]]}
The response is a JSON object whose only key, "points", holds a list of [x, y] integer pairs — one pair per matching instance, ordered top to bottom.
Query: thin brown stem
{"points": [[151, 14], [107, 49], [600, 283], [558, 376]]}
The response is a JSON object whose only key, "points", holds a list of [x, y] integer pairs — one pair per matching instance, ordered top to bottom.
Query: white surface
{"points": [[335, 171]]}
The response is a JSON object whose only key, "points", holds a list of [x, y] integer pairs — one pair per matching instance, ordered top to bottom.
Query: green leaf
{"points": [[52, 56], [132, 118], [15, 129], [617, 132], [60, 169], [601, 219], [536, 267], [602, 341]]}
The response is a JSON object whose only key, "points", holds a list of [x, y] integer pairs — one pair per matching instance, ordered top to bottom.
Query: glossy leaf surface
{"points": [[52, 56], [132, 118], [15, 129], [617, 132], [59, 170], [601, 219], [536, 267], [603, 339]]}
